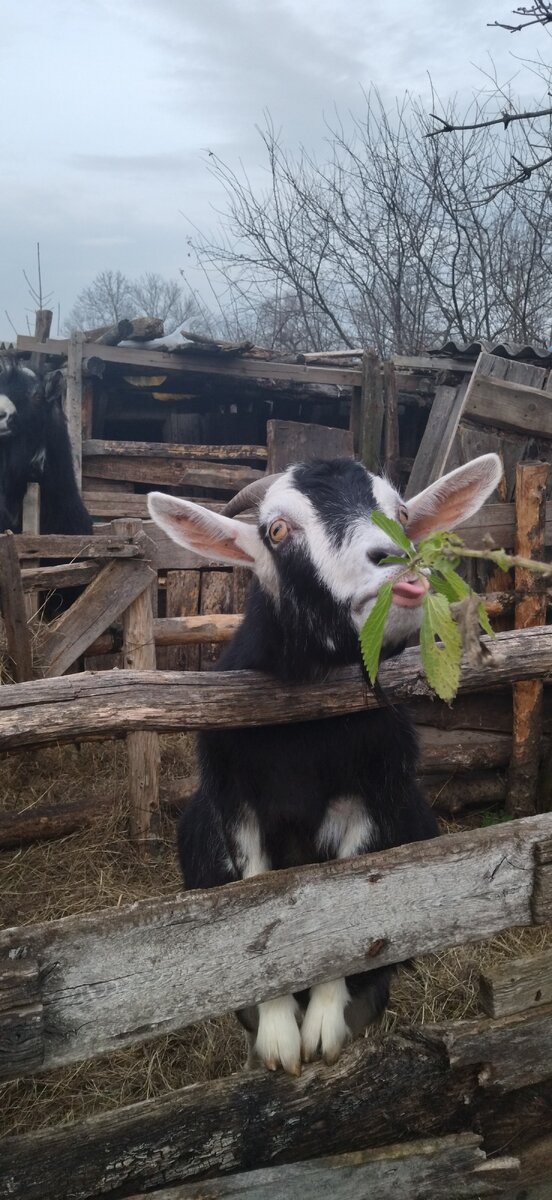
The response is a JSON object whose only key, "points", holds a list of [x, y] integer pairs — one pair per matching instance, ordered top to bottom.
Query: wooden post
{"points": [[43, 325], [73, 401], [371, 412], [391, 452], [531, 481], [30, 523], [18, 638], [143, 747]]}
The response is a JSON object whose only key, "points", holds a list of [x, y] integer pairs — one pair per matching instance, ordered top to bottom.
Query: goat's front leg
{"points": [[272, 1028]]}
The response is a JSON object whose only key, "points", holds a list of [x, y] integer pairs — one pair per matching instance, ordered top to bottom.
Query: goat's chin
{"points": [[402, 623]]}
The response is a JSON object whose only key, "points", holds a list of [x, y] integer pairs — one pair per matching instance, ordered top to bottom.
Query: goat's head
{"points": [[21, 397], [314, 547]]}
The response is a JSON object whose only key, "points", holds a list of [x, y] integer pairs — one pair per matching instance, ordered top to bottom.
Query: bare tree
{"points": [[384, 242], [112, 296]]}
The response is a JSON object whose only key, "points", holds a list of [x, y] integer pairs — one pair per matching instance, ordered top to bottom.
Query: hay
{"points": [[98, 868]]}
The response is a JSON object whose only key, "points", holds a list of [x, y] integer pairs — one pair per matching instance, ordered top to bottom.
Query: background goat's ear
{"points": [[454, 498], [206, 533]]}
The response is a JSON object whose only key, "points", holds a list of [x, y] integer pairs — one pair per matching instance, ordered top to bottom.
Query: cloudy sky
{"points": [[110, 106]]}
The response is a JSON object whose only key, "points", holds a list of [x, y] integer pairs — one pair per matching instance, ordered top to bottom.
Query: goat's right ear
{"points": [[207, 533]]}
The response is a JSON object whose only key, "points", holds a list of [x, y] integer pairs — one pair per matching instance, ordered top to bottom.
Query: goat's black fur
{"points": [[37, 449]]}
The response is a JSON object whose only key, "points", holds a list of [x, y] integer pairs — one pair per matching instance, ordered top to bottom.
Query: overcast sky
{"points": [[108, 110]]}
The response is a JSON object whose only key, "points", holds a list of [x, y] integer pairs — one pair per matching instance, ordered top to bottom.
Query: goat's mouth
{"points": [[5, 431], [409, 591]]}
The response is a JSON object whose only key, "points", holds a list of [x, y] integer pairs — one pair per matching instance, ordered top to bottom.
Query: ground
{"points": [[98, 868]]}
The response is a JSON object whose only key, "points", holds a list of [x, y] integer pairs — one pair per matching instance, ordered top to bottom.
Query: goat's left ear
{"points": [[454, 498], [207, 533]]}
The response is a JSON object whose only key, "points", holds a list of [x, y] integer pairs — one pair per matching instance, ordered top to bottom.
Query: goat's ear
{"points": [[454, 498], [207, 533]]}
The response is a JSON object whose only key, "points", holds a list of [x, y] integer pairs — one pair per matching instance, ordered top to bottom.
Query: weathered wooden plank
{"points": [[161, 360], [420, 363], [73, 401], [509, 405], [372, 412], [438, 436], [294, 441], [391, 441], [98, 448], [177, 472], [531, 484], [127, 504], [498, 522], [30, 523], [72, 546], [76, 574], [116, 586], [215, 600], [182, 605], [14, 613], [42, 712], [475, 750], [144, 756], [45, 822], [542, 892], [126, 974], [19, 984], [516, 985], [21, 1041], [515, 1051], [400, 1172]]}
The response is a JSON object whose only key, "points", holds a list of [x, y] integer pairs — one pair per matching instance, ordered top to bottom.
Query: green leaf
{"points": [[393, 530], [440, 585], [371, 634], [441, 663]]}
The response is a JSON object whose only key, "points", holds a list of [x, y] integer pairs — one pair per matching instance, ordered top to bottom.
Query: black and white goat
{"points": [[35, 447], [272, 797]]}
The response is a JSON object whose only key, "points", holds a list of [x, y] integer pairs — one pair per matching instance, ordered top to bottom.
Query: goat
{"points": [[35, 447], [282, 795]]}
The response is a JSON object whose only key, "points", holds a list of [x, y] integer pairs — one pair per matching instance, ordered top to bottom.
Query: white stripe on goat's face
{"points": [[7, 410], [328, 510]]}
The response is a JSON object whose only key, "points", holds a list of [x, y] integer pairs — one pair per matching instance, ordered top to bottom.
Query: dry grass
{"points": [[98, 868]]}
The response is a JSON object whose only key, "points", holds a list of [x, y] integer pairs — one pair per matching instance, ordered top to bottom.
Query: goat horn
{"points": [[250, 496]]}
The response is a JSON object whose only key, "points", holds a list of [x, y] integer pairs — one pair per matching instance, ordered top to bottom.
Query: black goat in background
{"points": [[35, 448]]}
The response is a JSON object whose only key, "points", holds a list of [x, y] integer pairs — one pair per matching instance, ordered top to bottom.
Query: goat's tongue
{"points": [[409, 593]]}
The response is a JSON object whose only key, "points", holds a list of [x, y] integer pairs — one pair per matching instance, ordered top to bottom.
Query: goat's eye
{"points": [[403, 514], [278, 531], [377, 556]]}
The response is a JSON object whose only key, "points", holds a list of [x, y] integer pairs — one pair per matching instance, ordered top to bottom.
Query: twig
{"points": [[504, 119], [500, 559]]}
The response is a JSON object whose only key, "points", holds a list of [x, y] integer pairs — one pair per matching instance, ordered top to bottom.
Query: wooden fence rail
{"points": [[106, 704], [109, 979]]}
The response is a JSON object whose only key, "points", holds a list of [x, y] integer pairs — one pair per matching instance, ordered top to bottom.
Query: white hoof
{"points": [[324, 1024], [278, 1041]]}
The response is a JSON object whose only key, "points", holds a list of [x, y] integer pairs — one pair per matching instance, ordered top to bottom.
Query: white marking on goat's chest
{"points": [[347, 828], [251, 858]]}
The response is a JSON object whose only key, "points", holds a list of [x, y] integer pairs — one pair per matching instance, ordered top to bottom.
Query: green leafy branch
{"points": [[453, 616]]}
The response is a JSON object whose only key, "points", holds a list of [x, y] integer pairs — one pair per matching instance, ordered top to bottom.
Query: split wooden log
{"points": [[43, 325], [145, 329], [73, 401], [100, 448], [391, 449], [178, 473], [531, 482], [30, 523], [77, 574], [14, 613], [107, 704], [455, 793], [46, 822], [270, 935], [517, 985], [513, 1051], [379, 1092], [400, 1172]]}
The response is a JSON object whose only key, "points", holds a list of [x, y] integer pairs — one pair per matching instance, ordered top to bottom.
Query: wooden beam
{"points": [[161, 360], [423, 362], [73, 401], [508, 405], [372, 411], [438, 436], [295, 441], [99, 448], [391, 451], [174, 472], [531, 485], [30, 523], [72, 546], [76, 574], [116, 586], [14, 613], [107, 704], [144, 756], [270, 935], [516, 985], [514, 1051], [400, 1172]]}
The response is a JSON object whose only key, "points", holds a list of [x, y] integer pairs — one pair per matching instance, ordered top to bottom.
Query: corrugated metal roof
{"points": [[522, 352]]}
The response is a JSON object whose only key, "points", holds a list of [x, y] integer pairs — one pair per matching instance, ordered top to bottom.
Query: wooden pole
{"points": [[43, 325], [73, 401], [371, 412], [391, 452], [531, 481], [31, 524], [18, 638], [143, 747]]}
